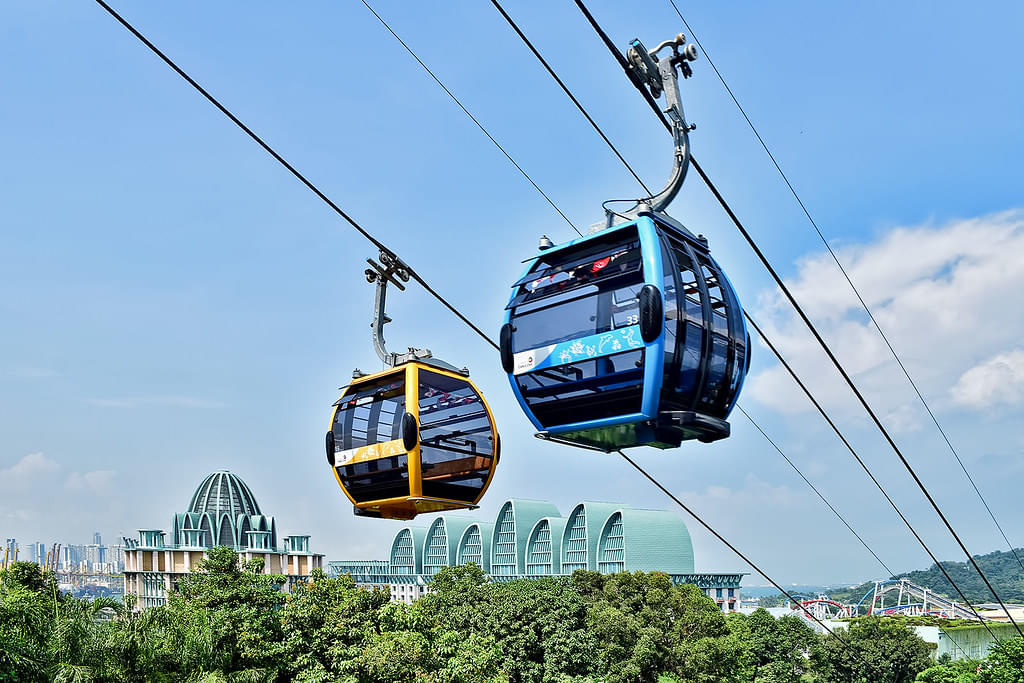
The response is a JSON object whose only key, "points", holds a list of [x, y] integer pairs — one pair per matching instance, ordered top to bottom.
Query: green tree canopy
{"points": [[876, 650]]}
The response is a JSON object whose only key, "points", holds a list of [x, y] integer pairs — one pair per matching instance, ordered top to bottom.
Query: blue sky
{"points": [[173, 302]]}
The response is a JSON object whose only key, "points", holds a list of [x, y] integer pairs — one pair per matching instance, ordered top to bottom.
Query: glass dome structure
{"points": [[224, 511]]}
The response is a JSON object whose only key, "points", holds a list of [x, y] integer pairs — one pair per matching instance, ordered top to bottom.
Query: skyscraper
{"points": [[37, 552]]}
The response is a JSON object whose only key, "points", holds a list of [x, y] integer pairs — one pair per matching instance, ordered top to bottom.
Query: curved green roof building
{"points": [[512, 527], [530, 538], [635, 540], [441, 545], [475, 545], [544, 547]]}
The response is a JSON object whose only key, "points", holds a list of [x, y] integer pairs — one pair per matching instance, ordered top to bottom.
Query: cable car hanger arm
{"points": [[659, 76], [390, 269]]}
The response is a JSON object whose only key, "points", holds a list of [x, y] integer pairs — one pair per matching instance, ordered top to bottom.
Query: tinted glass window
{"points": [[576, 269], [689, 285], [587, 290], [718, 305], [600, 309], [671, 321], [693, 347], [739, 366], [716, 369], [585, 390], [372, 415], [456, 439], [376, 479]]}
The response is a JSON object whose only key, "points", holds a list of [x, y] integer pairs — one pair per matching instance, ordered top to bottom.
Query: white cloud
{"points": [[946, 296], [997, 380], [31, 467], [34, 477], [98, 481], [753, 494]]}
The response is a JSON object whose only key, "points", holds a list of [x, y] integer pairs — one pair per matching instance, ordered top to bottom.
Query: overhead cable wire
{"points": [[622, 61], [558, 80], [470, 115], [284, 162], [708, 182], [382, 247], [849, 280], [814, 331], [860, 397], [752, 421], [863, 465], [815, 489], [834, 511], [743, 557]]}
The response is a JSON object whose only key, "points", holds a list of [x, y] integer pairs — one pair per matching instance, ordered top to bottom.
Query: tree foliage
{"points": [[229, 622], [777, 648], [873, 650]]}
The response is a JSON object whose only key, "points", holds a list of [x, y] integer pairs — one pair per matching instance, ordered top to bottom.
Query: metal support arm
{"points": [[662, 76], [390, 269]]}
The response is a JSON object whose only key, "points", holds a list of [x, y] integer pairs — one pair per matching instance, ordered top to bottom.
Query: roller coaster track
{"points": [[914, 599]]}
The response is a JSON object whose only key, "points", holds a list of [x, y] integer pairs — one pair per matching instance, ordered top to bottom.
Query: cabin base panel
{"points": [[669, 430], [408, 508]]}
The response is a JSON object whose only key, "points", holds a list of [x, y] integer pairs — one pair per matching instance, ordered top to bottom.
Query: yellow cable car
{"points": [[415, 437], [411, 439]]}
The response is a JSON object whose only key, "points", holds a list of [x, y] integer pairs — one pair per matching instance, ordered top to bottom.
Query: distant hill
{"points": [[1000, 567]]}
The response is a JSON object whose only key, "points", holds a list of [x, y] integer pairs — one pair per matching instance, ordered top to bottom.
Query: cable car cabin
{"points": [[630, 336], [411, 439]]}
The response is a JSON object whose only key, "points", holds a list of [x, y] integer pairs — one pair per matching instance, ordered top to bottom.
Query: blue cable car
{"points": [[631, 335]]}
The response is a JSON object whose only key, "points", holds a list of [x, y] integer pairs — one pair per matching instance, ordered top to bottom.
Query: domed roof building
{"points": [[224, 492], [222, 512], [225, 512]]}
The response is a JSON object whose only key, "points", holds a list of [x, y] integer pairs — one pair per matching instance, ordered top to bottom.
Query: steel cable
{"points": [[418, 279], [849, 281], [810, 326]]}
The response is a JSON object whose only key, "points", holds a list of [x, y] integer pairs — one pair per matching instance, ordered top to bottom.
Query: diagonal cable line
{"points": [[558, 80], [654, 105], [470, 115], [284, 162], [849, 281], [429, 289], [814, 331], [853, 387], [754, 423], [863, 465], [815, 489], [842, 519], [743, 557]]}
